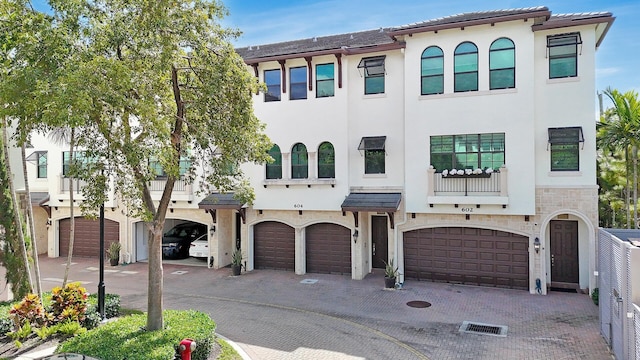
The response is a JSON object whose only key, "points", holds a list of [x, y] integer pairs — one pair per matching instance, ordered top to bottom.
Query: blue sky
{"points": [[269, 21]]}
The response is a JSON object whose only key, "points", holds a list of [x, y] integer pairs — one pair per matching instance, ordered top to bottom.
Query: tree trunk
{"points": [[634, 156], [627, 189], [16, 206], [72, 221], [32, 228], [156, 285]]}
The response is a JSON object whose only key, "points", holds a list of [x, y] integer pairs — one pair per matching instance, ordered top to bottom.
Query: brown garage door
{"points": [[87, 236], [274, 246], [328, 248], [467, 256]]}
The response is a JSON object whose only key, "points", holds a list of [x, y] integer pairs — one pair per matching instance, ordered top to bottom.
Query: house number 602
{"points": [[297, 206], [467, 210]]}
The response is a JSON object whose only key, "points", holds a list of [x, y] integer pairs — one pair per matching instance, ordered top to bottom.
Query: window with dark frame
{"points": [[563, 55], [465, 64], [502, 64], [374, 71], [432, 71], [273, 80], [298, 83], [325, 83], [565, 148], [467, 151], [374, 154], [41, 157], [79, 159], [326, 161], [299, 162], [156, 167], [274, 169]]}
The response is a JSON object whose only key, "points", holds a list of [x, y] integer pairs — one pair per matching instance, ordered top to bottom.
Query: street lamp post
{"points": [[101, 282]]}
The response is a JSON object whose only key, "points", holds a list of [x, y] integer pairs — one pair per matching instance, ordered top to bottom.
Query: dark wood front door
{"points": [[379, 241], [565, 270]]}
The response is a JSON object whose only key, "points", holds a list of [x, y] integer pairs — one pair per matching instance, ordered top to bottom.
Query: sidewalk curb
{"points": [[236, 347]]}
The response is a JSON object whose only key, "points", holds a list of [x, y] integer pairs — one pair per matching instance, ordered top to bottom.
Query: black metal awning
{"points": [[566, 135], [372, 143], [215, 201], [372, 202]]}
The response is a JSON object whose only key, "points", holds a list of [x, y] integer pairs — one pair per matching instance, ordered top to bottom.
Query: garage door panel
{"points": [[86, 236], [274, 246], [328, 249], [467, 255]]}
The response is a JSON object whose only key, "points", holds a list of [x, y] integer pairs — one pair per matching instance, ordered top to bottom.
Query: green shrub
{"points": [[595, 295], [111, 304], [6, 325], [125, 337]]}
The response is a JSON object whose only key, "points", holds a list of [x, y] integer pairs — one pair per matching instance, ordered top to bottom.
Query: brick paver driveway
{"points": [[279, 315]]}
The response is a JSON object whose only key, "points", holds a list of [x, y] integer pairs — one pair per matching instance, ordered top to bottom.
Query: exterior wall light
{"points": [[212, 229], [355, 236], [536, 245]]}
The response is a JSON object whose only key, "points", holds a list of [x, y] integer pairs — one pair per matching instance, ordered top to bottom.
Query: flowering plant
{"points": [[467, 172]]}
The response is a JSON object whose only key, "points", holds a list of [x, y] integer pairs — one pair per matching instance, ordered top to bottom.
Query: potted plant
{"points": [[113, 252], [236, 262], [390, 275]]}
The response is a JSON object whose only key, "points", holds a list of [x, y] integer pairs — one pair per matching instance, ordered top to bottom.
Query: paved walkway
{"points": [[280, 315]]}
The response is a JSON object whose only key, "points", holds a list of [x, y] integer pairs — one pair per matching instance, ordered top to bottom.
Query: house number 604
{"points": [[297, 206], [467, 210]]}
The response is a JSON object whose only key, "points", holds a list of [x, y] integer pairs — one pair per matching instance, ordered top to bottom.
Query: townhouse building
{"points": [[460, 148]]}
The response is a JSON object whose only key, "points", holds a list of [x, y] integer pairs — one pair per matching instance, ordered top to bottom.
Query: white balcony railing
{"points": [[77, 185], [490, 187]]}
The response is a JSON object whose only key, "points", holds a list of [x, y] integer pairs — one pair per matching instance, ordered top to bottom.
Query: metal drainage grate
{"points": [[483, 329]]}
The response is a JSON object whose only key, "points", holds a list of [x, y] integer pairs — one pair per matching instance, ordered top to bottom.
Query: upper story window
{"points": [[563, 55], [465, 64], [502, 64], [374, 71], [432, 71], [273, 80], [325, 80], [298, 83], [468, 151], [565, 152], [374, 154], [39, 158], [79, 158], [326, 161], [299, 162], [184, 167], [274, 169]]}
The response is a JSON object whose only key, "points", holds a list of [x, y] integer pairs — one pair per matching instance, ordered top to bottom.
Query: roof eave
{"points": [[454, 25], [343, 51]]}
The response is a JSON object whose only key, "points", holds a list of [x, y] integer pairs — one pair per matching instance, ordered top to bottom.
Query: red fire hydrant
{"points": [[186, 347]]}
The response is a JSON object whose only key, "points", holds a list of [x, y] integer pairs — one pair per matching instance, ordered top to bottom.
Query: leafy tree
{"points": [[139, 81], [619, 132], [14, 256]]}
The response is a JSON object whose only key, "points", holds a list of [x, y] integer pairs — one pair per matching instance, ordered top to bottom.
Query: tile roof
{"points": [[473, 16], [385, 38], [321, 43]]}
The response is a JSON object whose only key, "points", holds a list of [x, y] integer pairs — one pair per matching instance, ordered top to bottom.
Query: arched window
{"points": [[502, 64], [465, 67], [432, 71], [326, 161], [299, 162], [274, 169]]}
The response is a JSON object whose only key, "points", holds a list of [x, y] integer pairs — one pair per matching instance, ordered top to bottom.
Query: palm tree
{"points": [[618, 130]]}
